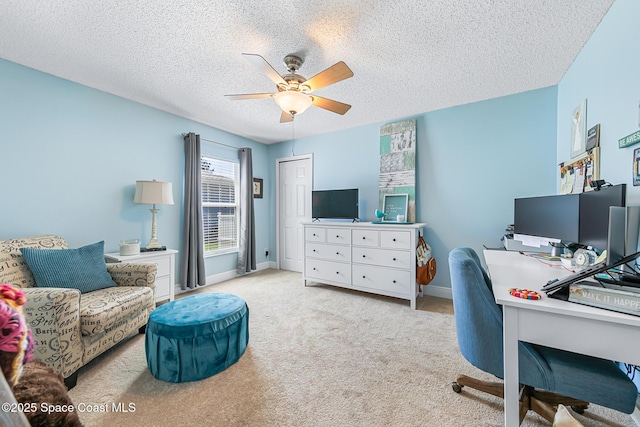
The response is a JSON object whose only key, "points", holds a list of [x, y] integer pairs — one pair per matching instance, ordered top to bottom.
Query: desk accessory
{"points": [[585, 257], [525, 294], [622, 299]]}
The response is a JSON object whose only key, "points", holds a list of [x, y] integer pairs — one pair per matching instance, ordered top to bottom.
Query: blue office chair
{"points": [[547, 376]]}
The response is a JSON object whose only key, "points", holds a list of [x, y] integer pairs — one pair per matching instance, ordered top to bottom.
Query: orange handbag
{"points": [[425, 263]]}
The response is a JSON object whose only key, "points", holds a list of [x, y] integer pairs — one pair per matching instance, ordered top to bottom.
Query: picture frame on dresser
{"points": [[395, 207]]}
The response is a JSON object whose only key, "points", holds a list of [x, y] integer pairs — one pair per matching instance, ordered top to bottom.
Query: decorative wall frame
{"points": [[579, 130], [593, 137], [398, 163], [636, 167], [577, 174], [257, 188]]}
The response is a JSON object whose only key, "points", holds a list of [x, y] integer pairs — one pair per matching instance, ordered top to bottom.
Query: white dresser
{"points": [[376, 258], [166, 262]]}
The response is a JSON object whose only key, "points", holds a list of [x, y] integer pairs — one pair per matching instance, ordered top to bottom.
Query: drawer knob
{"points": [[314, 234], [337, 236], [394, 240], [314, 250], [337, 253], [364, 256], [394, 259], [314, 269], [337, 272], [363, 277], [394, 281]]}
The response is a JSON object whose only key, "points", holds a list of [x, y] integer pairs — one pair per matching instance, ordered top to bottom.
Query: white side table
{"points": [[166, 262]]}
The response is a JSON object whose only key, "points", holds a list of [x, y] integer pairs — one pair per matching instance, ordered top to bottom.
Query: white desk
{"points": [[550, 322]]}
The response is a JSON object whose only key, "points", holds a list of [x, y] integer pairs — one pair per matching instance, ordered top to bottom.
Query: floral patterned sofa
{"points": [[71, 328]]}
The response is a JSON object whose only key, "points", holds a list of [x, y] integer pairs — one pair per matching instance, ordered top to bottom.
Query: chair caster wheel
{"points": [[456, 387], [579, 409]]}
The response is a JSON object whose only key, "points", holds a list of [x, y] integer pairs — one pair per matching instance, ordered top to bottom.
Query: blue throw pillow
{"points": [[83, 268]]}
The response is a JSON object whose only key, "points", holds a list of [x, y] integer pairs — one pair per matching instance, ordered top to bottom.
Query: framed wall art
{"points": [[579, 130], [636, 167], [257, 188]]}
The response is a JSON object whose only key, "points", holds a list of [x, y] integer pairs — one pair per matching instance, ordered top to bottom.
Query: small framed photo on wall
{"points": [[636, 167], [257, 188]]}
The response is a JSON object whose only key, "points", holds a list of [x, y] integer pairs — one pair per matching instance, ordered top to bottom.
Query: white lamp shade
{"points": [[293, 102], [153, 193]]}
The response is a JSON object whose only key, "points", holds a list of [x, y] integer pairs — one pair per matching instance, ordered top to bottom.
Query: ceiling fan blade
{"points": [[265, 67], [331, 75], [249, 96], [331, 105], [286, 117]]}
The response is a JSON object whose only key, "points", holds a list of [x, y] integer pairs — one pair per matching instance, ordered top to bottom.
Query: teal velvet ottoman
{"points": [[197, 336]]}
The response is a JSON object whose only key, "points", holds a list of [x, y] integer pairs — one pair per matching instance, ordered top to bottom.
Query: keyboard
{"points": [[555, 285]]}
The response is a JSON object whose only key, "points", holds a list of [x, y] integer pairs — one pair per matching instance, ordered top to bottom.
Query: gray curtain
{"points": [[247, 237], [192, 253]]}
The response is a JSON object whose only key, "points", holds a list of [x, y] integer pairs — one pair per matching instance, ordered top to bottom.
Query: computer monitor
{"points": [[594, 214], [555, 217], [624, 233]]}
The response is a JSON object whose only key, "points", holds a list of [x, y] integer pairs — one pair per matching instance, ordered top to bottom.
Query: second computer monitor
{"points": [[594, 214], [624, 232]]}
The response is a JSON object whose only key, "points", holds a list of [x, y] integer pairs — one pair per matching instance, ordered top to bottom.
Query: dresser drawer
{"points": [[315, 234], [339, 235], [367, 238], [395, 239], [328, 252], [382, 257], [163, 263], [164, 266], [328, 270], [388, 280], [163, 288]]}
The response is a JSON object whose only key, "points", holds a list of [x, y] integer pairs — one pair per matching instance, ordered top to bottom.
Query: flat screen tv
{"points": [[339, 204]]}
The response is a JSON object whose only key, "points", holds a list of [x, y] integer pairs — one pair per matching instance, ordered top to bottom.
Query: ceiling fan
{"points": [[293, 89]]}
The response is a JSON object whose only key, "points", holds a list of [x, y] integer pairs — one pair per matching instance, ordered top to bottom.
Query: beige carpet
{"points": [[317, 356]]}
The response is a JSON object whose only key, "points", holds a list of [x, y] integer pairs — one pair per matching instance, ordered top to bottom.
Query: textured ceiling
{"points": [[408, 56]]}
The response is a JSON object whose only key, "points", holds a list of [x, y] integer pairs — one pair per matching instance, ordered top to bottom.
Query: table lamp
{"points": [[153, 193]]}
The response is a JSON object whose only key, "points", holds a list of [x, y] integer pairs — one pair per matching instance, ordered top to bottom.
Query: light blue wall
{"points": [[606, 74], [74, 153], [70, 156], [472, 161]]}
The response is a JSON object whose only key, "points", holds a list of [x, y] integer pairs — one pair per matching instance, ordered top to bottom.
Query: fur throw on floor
{"points": [[41, 388]]}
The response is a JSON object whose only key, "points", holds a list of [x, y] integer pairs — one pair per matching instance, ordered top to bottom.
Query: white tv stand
{"points": [[375, 258]]}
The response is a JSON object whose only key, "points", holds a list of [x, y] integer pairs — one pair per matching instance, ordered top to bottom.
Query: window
{"points": [[220, 180]]}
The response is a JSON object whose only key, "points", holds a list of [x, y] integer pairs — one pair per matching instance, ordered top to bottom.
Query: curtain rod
{"points": [[214, 142]]}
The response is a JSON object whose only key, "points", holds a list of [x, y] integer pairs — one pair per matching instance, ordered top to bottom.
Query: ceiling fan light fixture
{"points": [[293, 102]]}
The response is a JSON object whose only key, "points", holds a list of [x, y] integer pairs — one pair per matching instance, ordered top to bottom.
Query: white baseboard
{"points": [[227, 275], [437, 291]]}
